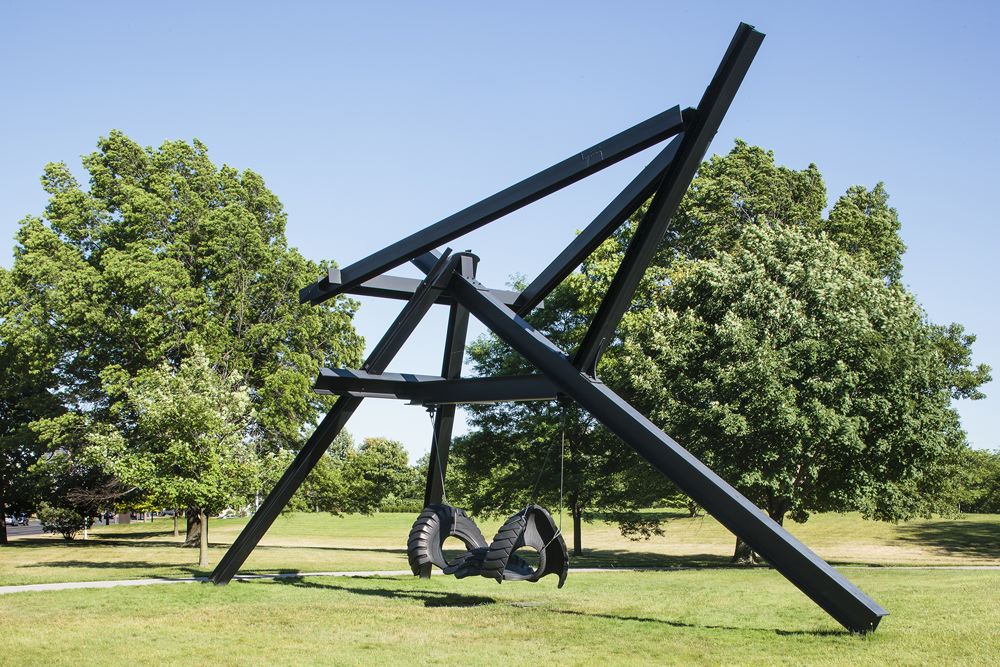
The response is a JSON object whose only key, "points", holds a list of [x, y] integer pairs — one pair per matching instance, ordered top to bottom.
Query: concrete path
{"points": [[67, 585]]}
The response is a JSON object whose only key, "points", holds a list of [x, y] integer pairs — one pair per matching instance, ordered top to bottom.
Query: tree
{"points": [[863, 224], [163, 252], [780, 347], [806, 383], [25, 384], [186, 440], [377, 469], [65, 478], [976, 482], [325, 488], [63, 520]]}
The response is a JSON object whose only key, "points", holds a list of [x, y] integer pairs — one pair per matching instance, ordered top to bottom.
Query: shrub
{"points": [[393, 504], [63, 520]]}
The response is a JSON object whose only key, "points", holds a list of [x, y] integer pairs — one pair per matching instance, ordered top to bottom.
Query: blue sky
{"points": [[374, 120]]}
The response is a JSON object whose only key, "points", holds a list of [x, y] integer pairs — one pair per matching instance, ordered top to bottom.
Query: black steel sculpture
{"points": [[451, 280]]}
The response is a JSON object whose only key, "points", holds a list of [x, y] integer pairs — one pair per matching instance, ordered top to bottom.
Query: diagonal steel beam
{"points": [[711, 110], [600, 156], [614, 214], [334, 422], [810, 573]]}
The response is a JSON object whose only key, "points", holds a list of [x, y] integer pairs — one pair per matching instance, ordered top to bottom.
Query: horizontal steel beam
{"points": [[600, 156], [387, 287], [434, 390]]}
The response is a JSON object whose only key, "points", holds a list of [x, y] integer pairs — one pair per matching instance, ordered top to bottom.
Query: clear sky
{"points": [[371, 121]]}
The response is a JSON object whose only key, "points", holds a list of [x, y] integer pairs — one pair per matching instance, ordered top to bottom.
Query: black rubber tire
{"points": [[435, 525], [533, 528], [501, 551]]}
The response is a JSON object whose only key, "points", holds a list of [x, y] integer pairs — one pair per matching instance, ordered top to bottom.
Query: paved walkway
{"points": [[66, 585]]}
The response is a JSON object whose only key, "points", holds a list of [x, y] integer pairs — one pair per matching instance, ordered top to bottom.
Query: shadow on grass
{"points": [[132, 534], [957, 537], [37, 542], [140, 542], [610, 558], [625, 558], [153, 568], [428, 598], [448, 599], [681, 624]]}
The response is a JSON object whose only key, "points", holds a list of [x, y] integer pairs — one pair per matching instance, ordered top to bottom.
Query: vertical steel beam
{"points": [[698, 135], [414, 310], [444, 417], [811, 574]]}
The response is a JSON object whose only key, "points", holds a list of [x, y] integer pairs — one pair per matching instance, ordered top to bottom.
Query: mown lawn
{"points": [[320, 542], [706, 616]]}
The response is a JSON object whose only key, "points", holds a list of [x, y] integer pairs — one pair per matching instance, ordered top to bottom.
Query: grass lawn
{"points": [[320, 542], [708, 615], [713, 616]]}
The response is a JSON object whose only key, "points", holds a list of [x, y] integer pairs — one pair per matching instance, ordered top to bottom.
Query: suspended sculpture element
{"points": [[451, 280], [532, 527]]}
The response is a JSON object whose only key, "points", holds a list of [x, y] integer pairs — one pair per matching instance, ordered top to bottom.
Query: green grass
{"points": [[320, 542], [709, 615], [714, 616]]}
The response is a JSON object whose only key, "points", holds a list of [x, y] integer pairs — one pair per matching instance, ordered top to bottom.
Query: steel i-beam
{"points": [[711, 109], [600, 156]]}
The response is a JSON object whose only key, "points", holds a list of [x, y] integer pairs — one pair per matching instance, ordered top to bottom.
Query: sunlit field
{"points": [[321, 542], [699, 611]]}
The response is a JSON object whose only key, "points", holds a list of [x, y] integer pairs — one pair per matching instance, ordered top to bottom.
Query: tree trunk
{"points": [[694, 509], [193, 517], [3, 519], [577, 530], [176, 532], [203, 539], [744, 555]]}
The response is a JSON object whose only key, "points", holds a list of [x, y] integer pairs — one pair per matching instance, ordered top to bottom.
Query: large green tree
{"points": [[161, 252], [778, 344], [807, 383]]}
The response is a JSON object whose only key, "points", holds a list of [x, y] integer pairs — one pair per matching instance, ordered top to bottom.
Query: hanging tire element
{"points": [[436, 524], [532, 527]]}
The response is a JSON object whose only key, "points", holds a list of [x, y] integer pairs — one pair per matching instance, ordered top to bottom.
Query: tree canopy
{"points": [[162, 253], [776, 343]]}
